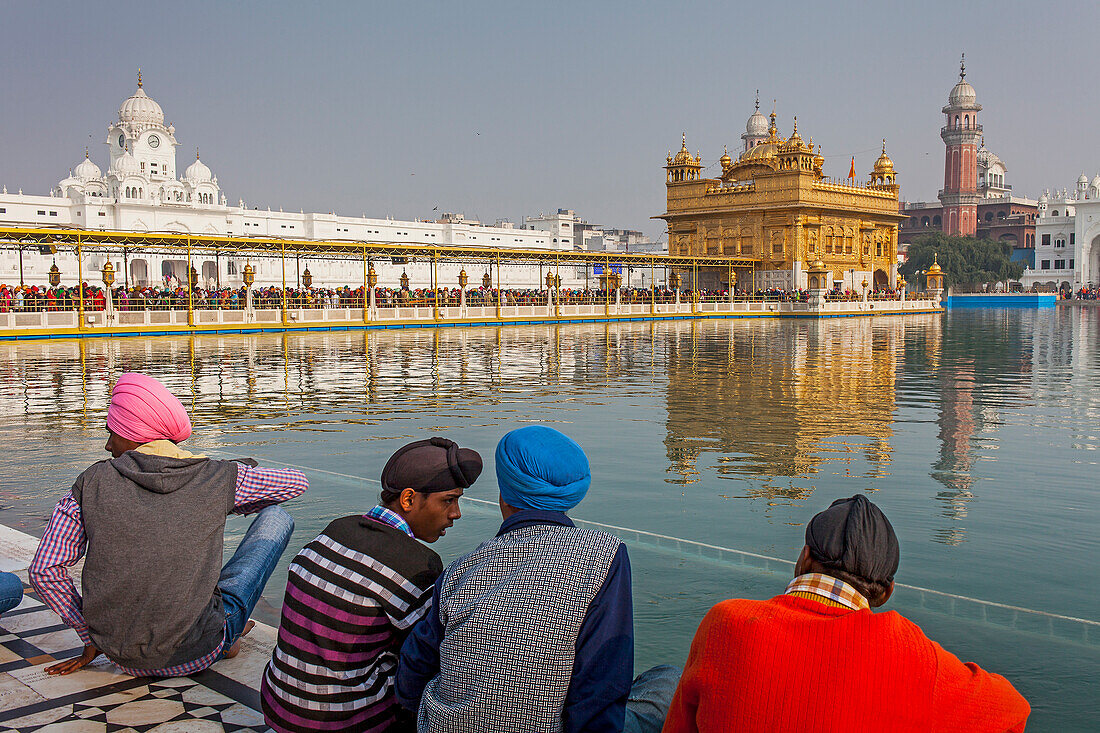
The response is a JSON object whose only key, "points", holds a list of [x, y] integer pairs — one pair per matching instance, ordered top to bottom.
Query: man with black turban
{"points": [[353, 593], [818, 659]]}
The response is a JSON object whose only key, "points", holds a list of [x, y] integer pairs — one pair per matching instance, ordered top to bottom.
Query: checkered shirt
{"points": [[390, 518], [64, 543], [828, 587], [511, 611]]}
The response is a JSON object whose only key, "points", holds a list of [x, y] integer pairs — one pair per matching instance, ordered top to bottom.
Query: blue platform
{"points": [[1001, 300]]}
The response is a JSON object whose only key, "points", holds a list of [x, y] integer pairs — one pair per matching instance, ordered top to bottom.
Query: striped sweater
{"points": [[352, 595]]}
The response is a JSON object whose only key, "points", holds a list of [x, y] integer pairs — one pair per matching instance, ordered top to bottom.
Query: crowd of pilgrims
{"points": [[1091, 292], [148, 297], [531, 630]]}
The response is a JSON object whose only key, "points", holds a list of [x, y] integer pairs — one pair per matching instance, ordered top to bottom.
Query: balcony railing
{"points": [[960, 128]]}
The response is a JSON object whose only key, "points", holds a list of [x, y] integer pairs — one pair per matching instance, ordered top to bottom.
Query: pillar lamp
{"points": [[108, 273], [55, 275], [248, 276], [372, 277], [192, 278], [307, 278], [463, 278], [404, 280], [486, 280], [549, 280], [674, 280], [557, 281]]}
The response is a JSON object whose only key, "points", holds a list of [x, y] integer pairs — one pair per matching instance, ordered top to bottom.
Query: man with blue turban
{"points": [[534, 630]]}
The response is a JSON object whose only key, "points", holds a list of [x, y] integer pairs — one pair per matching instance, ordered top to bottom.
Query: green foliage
{"points": [[965, 260]]}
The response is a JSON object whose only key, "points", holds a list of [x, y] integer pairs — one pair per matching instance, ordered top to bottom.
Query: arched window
{"points": [[956, 120], [966, 121], [1054, 213], [989, 216], [924, 221], [937, 221]]}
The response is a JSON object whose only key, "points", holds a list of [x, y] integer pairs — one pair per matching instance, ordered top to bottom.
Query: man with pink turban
{"points": [[155, 598]]}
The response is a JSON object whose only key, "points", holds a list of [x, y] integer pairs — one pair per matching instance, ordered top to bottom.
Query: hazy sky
{"points": [[501, 110]]}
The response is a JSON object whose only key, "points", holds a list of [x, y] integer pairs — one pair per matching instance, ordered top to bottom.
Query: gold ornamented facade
{"points": [[775, 205]]}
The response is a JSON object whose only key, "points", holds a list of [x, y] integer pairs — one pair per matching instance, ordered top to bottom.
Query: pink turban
{"points": [[143, 410]]}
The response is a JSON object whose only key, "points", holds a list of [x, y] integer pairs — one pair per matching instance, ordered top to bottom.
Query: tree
{"points": [[965, 260]]}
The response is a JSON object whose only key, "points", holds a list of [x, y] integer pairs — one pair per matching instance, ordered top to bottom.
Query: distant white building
{"points": [[141, 192], [565, 225], [561, 226], [1067, 238]]}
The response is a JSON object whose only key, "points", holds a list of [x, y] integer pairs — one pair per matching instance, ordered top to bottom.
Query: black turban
{"points": [[427, 466], [854, 535]]}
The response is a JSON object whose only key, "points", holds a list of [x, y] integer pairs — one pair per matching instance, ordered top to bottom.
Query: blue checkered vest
{"points": [[511, 611]]}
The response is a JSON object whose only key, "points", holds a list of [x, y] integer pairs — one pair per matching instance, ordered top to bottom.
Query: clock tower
{"points": [[141, 131], [961, 135]]}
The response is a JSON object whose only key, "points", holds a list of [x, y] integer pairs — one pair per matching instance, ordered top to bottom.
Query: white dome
{"points": [[962, 95], [140, 108], [757, 124], [986, 159], [125, 165], [87, 170], [198, 171], [1082, 180], [1095, 182], [1044, 198]]}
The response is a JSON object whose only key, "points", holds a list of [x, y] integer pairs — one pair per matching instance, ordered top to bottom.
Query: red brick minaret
{"points": [[962, 134]]}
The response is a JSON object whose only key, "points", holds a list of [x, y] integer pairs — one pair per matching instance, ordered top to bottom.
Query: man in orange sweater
{"points": [[817, 659]]}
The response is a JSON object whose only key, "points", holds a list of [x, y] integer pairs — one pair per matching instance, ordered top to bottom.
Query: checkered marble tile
{"points": [[100, 697]]}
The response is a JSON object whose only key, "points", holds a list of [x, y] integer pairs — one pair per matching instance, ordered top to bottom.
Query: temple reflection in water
{"points": [[783, 403]]}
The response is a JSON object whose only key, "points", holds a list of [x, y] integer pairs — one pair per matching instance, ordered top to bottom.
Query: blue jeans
{"points": [[243, 578], [11, 591], [650, 698]]}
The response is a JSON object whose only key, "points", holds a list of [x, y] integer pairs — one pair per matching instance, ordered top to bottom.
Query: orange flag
{"points": [[852, 170]]}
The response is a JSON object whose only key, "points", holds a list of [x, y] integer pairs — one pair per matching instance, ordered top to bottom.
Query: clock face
{"points": [[122, 141], [154, 141]]}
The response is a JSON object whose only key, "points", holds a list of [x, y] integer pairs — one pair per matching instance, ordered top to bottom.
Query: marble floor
{"points": [[100, 697]]}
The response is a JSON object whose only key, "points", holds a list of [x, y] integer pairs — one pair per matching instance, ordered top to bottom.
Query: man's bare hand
{"points": [[71, 665]]}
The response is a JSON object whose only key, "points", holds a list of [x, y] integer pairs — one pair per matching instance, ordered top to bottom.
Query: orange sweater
{"points": [[793, 664]]}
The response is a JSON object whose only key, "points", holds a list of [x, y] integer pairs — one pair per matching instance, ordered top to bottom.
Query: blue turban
{"points": [[540, 468]]}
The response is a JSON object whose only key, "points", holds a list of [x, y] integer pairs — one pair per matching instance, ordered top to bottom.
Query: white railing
{"points": [[153, 320]]}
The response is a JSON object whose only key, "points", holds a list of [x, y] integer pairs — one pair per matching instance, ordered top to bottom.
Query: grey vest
{"points": [[155, 532], [511, 611]]}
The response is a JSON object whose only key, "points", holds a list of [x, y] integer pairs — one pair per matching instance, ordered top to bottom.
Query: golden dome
{"points": [[795, 139], [760, 152], [684, 157], [725, 160], [884, 164], [817, 265], [935, 269]]}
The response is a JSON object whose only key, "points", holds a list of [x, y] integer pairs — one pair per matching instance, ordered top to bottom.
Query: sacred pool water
{"points": [[711, 442]]}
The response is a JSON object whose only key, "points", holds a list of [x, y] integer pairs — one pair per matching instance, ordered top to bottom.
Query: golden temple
{"points": [[775, 205]]}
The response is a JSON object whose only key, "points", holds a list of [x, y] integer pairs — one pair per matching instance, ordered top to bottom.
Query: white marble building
{"points": [[141, 192], [1067, 238]]}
